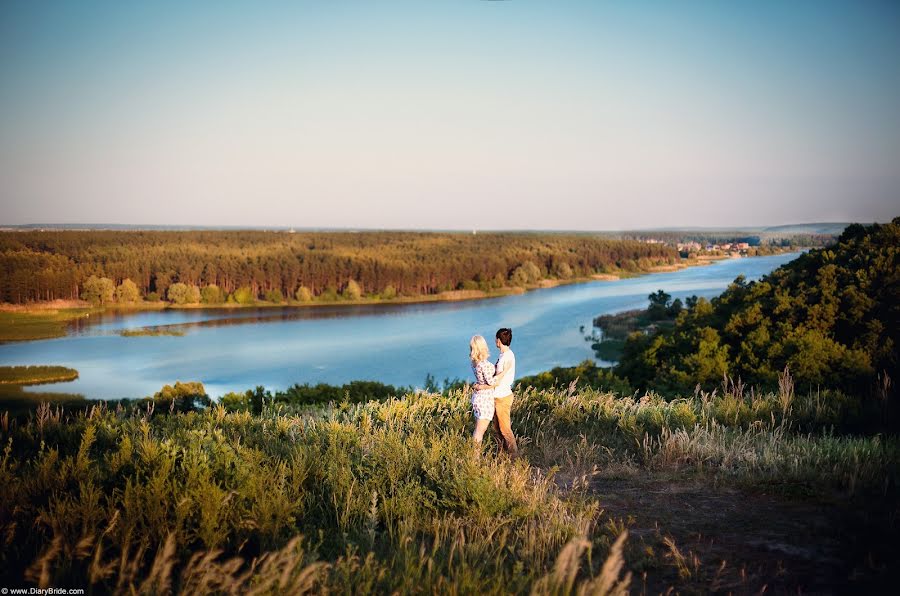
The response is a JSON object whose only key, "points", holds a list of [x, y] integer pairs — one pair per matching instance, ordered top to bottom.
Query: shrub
{"points": [[98, 290], [352, 291], [127, 292], [181, 293], [211, 294], [244, 295], [185, 396]]}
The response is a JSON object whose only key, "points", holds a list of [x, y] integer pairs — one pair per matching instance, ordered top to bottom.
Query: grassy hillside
{"points": [[390, 496]]}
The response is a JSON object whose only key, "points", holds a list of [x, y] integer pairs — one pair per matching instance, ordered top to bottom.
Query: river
{"points": [[238, 349]]}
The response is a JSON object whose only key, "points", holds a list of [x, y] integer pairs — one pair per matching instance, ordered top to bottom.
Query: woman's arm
{"points": [[492, 382]]}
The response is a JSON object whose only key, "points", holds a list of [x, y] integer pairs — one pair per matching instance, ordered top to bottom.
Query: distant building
{"points": [[688, 246]]}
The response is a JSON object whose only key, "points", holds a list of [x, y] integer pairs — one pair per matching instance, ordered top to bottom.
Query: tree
{"points": [[44, 265], [563, 270], [525, 274], [519, 277], [98, 290], [127, 291], [352, 291], [389, 292], [177, 293], [181, 293], [211, 294], [303, 294], [244, 295], [274, 295], [659, 305], [675, 308], [830, 315], [183, 397]]}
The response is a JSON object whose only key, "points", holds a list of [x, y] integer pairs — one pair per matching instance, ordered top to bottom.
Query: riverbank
{"points": [[47, 320]]}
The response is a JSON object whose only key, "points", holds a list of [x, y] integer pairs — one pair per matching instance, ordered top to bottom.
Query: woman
{"points": [[483, 400]]}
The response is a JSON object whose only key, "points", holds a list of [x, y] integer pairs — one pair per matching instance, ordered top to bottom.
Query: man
{"points": [[503, 395]]}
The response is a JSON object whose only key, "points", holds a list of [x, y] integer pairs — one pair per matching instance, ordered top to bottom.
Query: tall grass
{"points": [[382, 496]]}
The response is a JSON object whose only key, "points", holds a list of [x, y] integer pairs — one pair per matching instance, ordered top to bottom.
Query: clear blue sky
{"points": [[458, 114]]}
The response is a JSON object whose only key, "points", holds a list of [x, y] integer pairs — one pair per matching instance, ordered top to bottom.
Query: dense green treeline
{"points": [[757, 239], [247, 265], [832, 316]]}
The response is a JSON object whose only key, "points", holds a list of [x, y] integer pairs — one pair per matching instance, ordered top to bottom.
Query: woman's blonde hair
{"points": [[478, 349]]}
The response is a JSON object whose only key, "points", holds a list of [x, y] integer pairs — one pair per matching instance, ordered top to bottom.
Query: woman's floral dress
{"points": [[483, 401]]}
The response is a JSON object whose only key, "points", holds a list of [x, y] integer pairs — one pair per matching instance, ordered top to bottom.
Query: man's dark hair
{"points": [[505, 336]]}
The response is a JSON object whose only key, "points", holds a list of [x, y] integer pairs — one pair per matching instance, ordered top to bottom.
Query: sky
{"points": [[463, 114]]}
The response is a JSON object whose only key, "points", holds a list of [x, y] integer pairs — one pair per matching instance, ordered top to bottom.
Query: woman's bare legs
{"points": [[480, 427]]}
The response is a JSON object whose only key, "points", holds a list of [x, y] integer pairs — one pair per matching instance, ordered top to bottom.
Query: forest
{"points": [[107, 267], [831, 316]]}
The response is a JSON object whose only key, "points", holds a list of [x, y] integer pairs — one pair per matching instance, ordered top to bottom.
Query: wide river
{"points": [[238, 349]]}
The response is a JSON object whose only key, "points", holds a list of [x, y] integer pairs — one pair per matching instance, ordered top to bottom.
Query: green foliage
{"points": [[48, 265], [562, 270], [525, 274], [98, 290], [352, 291], [127, 292], [389, 292], [181, 293], [211, 294], [303, 294], [244, 295], [275, 296], [152, 297], [659, 305], [832, 316], [41, 324], [152, 332], [32, 375], [585, 375], [306, 395], [183, 397], [236, 402], [382, 497]]}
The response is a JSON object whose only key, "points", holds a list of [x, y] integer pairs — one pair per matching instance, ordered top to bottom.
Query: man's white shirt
{"points": [[505, 363]]}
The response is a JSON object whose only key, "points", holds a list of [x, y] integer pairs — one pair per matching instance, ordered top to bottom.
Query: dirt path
{"points": [[744, 541]]}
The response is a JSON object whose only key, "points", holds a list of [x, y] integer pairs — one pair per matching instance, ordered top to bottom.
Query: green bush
{"points": [[244, 295]]}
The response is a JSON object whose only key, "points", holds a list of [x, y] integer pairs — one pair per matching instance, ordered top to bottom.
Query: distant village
{"points": [[733, 249]]}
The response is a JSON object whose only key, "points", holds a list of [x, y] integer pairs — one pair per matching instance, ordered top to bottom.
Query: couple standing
{"points": [[492, 397]]}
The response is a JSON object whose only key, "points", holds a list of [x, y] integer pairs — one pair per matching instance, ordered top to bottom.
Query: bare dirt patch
{"points": [[693, 536]]}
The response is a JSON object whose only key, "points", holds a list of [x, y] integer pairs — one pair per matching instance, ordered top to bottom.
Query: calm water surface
{"points": [[234, 350]]}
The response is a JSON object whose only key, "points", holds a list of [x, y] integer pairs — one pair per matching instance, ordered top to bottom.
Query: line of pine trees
{"points": [[244, 266]]}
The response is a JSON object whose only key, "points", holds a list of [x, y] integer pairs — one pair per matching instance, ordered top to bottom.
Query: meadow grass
{"points": [[19, 325], [151, 332], [33, 375], [386, 496]]}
